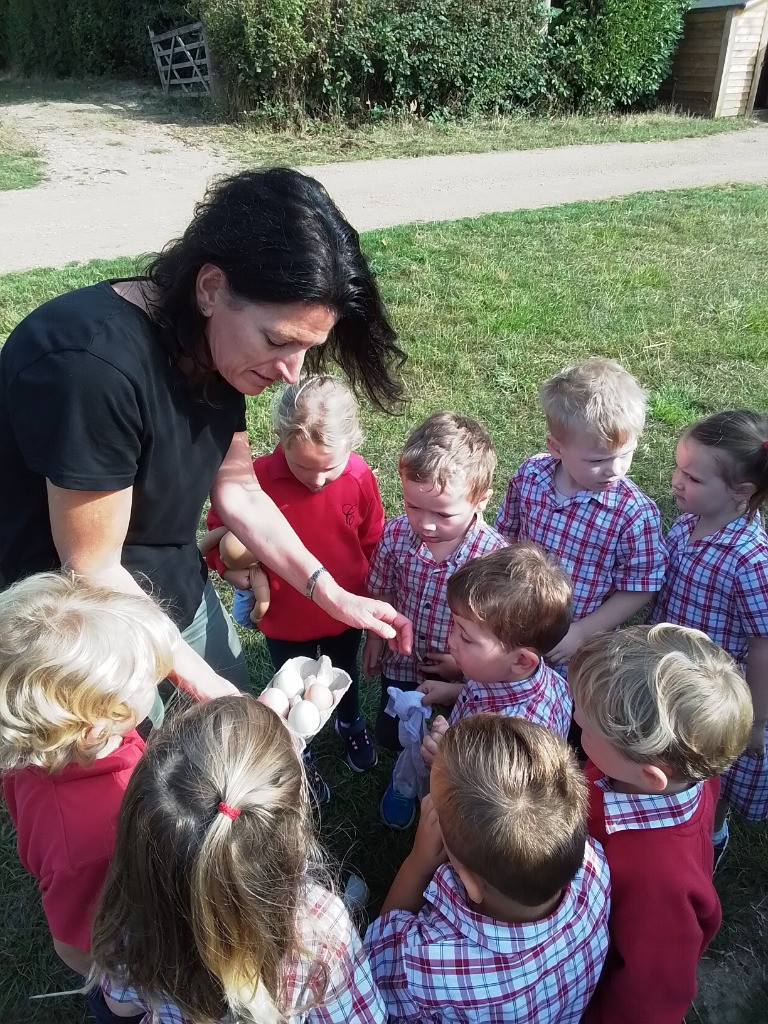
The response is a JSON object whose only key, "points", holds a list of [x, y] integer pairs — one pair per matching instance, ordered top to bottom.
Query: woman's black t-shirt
{"points": [[90, 401]]}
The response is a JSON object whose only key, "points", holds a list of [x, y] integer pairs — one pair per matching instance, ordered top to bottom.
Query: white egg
{"points": [[325, 671], [309, 680], [289, 681], [320, 696], [276, 700], [295, 700], [304, 718]]}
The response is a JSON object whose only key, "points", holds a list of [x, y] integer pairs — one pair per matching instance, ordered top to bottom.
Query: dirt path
{"points": [[119, 185]]}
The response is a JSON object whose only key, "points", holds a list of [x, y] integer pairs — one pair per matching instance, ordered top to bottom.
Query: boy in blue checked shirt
{"points": [[446, 470], [578, 504], [509, 607], [499, 915]]}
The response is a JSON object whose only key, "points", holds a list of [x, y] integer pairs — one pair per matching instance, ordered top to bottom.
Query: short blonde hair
{"points": [[598, 398], [318, 409], [447, 447], [520, 593], [71, 655], [664, 695], [512, 805]]}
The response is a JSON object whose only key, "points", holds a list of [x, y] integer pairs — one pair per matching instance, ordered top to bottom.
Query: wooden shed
{"points": [[718, 64]]}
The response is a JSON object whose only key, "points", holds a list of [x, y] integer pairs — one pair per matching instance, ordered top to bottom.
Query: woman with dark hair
{"points": [[122, 408]]}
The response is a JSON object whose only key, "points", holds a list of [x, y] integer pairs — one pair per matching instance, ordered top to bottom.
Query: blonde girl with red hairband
{"points": [[718, 576], [215, 906]]}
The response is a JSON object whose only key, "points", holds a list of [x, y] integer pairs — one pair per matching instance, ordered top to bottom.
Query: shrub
{"points": [[609, 53], [436, 57]]}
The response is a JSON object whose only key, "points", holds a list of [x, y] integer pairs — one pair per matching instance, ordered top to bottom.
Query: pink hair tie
{"points": [[765, 444], [231, 812]]}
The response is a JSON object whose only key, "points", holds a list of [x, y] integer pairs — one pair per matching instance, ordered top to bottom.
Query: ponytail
{"points": [[205, 891]]}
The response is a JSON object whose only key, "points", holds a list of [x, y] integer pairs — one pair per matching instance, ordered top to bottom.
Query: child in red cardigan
{"points": [[330, 497], [663, 711]]}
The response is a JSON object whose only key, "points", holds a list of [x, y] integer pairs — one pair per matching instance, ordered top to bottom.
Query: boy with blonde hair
{"points": [[446, 470], [577, 502], [509, 608], [79, 668], [663, 711], [500, 911]]}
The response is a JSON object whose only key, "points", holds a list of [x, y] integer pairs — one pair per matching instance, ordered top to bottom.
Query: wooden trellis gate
{"points": [[183, 60]]}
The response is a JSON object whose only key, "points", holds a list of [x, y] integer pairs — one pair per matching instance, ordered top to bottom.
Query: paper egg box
{"points": [[305, 668]]}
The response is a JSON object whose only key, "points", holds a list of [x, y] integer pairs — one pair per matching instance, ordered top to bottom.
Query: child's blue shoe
{"points": [[242, 603], [360, 751], [397, 810]]}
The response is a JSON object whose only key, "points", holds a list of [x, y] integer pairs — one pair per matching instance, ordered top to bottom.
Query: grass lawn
{"points": [[196, 123], [20, 164], [671, 284]]}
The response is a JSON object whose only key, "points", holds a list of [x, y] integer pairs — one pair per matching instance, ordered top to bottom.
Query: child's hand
{"points": [[568, 646], [372, 649], [442, 664], [437, 691], [431, 742], [756, 742], [428, 851]]}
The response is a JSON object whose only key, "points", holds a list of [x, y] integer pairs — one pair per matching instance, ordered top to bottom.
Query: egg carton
{"points": [[300, 679]]}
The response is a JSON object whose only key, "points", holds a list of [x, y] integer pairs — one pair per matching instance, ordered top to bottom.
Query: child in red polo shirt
{"points": [[330, 497], [79, 668], [663, 711]]}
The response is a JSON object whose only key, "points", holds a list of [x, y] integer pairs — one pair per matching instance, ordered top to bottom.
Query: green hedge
{"points": [[75, 38], [609, 53], [436, 58]]}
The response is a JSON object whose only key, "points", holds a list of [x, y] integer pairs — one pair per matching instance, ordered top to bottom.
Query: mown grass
{"points": [[254, 143], [21, 165], [671, 284]]}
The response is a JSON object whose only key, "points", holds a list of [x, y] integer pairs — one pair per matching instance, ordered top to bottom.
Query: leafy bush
{"points": [[609, 53], [435, 57]]}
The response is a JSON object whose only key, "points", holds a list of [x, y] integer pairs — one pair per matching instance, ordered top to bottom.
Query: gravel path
{"points": [[123, 186]]}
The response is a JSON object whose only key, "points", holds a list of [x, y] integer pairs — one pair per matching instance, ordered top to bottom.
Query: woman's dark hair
{"points": [[278, 237], [739, 442]]}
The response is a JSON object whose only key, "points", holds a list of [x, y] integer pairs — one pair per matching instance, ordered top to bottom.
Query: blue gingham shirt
{"points": [[403, 566], [718, 584], [543, 698], [447, 964]]}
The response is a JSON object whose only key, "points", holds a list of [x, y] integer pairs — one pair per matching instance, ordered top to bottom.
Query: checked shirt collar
{"points": [[610, 498], [730, 534], [633, 811], [448, 899]]}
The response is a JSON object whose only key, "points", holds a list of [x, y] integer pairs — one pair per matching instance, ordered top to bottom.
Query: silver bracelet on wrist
{"points": [[313, 580]]}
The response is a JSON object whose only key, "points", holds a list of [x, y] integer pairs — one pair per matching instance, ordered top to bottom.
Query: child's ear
{"points": [[554, 447], [743, 492], [480, 505], [525, 659], [655, 778], [475, 886]]}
